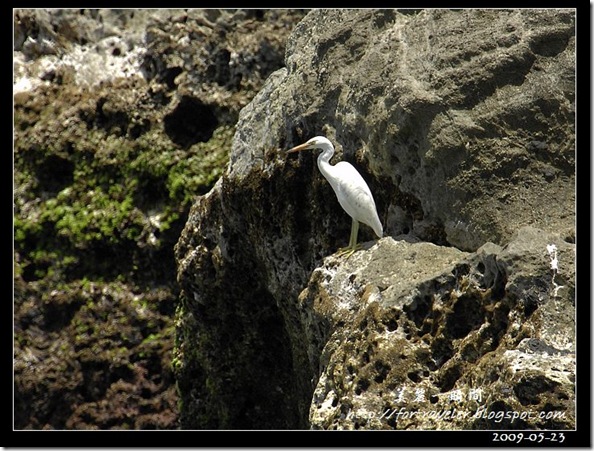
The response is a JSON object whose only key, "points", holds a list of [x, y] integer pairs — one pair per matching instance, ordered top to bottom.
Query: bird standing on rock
{"points": [[351, 190]]}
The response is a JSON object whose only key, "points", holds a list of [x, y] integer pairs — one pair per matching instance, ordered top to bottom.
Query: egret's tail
{"points": [[377, 228]]}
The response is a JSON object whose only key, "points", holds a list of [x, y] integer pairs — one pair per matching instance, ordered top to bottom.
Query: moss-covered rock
{"points": [[113, 143]]}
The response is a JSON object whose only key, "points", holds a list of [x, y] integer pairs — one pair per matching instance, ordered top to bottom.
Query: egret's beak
{"points": [[298, 148]]}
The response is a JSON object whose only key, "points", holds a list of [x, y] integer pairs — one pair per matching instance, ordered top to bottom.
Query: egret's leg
{"points": [[354, 234], [352, 247]]}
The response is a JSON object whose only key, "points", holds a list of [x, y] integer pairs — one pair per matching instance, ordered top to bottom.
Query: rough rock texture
{"points": [[122, 117], [463, 124], [425, 330]]}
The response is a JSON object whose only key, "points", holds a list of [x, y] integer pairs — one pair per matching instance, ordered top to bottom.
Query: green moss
{"points": [[198, 173], [183, 174], [118, 197], [96, 216], [25, 227], [85, 284], [152, 338]]}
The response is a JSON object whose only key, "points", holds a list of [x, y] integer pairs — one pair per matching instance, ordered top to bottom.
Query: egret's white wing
{"points": [[355, 197]]}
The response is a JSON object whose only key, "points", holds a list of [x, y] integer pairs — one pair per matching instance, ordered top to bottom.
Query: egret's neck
{"points": [[324, 163]]}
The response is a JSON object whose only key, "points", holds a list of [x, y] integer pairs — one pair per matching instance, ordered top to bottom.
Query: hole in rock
{"points": [[190, 122], [55, 173]]}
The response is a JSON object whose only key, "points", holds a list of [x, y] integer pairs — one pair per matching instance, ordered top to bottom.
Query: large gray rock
{"points": [[463, 124]]}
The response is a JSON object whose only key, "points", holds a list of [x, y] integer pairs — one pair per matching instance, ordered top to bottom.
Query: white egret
{"points": [[351, 190]]}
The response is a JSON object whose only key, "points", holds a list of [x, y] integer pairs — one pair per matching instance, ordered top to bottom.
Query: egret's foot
{"points": [[348, 251]]}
